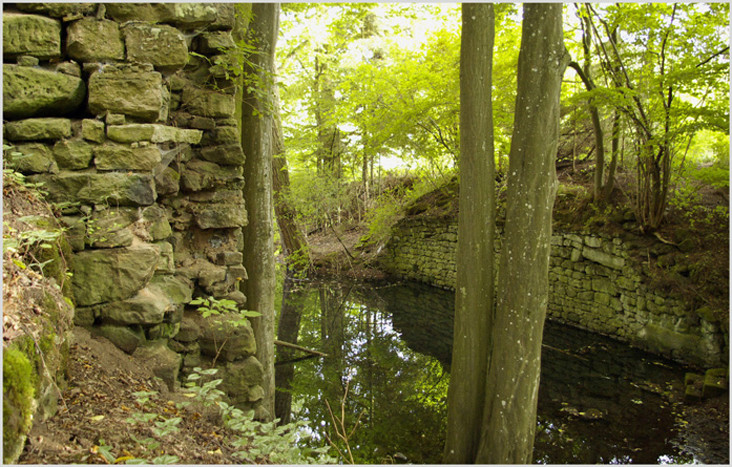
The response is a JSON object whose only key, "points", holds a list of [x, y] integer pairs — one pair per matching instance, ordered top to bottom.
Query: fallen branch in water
{"points": [[297, 347]]}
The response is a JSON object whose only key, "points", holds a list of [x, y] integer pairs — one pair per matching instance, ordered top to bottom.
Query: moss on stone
{"points": [[19, 388]]}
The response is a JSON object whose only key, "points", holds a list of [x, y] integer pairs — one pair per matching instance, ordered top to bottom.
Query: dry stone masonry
{"points": [[117, 109], [594, 285]]}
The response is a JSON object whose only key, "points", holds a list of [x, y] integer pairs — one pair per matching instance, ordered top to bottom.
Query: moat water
{"points": [[600, 401]]}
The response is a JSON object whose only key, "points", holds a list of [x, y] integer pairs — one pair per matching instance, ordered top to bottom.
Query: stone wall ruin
{"points": [[122, 113], [594, 284]]}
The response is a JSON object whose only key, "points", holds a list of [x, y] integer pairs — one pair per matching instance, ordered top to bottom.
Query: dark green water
{"points": [[599, 401]]}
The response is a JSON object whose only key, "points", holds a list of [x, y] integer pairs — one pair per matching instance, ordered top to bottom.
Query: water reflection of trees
{"points": [[392, 344], [400, 392]]}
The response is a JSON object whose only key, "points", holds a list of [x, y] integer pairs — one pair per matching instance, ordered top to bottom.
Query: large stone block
{"points": [[57, 10], [124, 11], [184, 15], [188, 15], [225, 16], [33, 35], [94, 40], [215, 42], [161, 45], [28, 92], [131, 92], [207, 103], [38, 128], [92, 130], [152, 132], [224, 135], [74, 154], [229, 154], [123, 157], [31, 158], [201, 175], [167, 182], [114, 188], [220, 216], [110, 228], [603, 258], [112, 275], [178, 289], [147, 306], [227, 336], [123, 337], [164, 362], [241, 375]]}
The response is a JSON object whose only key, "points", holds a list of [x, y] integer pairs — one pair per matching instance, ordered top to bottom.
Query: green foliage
{"points": [[716, 176], [318, 199], [389, 208], [37, 242], [210, 306], [204, 392], [257, 441]]}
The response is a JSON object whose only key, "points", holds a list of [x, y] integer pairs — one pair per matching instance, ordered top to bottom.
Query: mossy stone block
{"points": [[57, 10], [33, 35], [94, 40], [215, 42], [159, 44], [29, 92], [132, 92], [207, 103], [38, 128], [92, 130], [73, 154], [229, 154], [123, 157], [31, 158], [201, 175], [167, 182], [114, 188], [220, 216], [112, 275], [177, 289], [147, 306], [189, 330], [123, 337], [237, 338], [165, 363], [715, 382]]}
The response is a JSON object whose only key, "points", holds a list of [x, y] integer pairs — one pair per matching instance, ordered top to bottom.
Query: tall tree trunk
{"points": [[256, 137], [615, 145], [328, 151], [476, 225], [293, 239], [293, 298], [512, 380]]}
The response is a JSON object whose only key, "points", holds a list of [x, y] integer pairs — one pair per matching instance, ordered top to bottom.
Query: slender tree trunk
{"points": [[257, 128], [610, 182], [476, 225], [293, 239], [293, 298], [512, 380]]}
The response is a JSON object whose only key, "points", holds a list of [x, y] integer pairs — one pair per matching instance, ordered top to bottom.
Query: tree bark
{"points": [[256, 132], [476, 225], [294, 243], [293, 298], [512, 380]]}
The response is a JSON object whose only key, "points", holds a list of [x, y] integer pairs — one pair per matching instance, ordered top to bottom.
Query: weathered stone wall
{"points": [[121, 112], [594, 284]]}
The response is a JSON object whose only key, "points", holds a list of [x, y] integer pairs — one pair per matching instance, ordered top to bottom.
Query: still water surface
{"points": [[599, 401]]}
